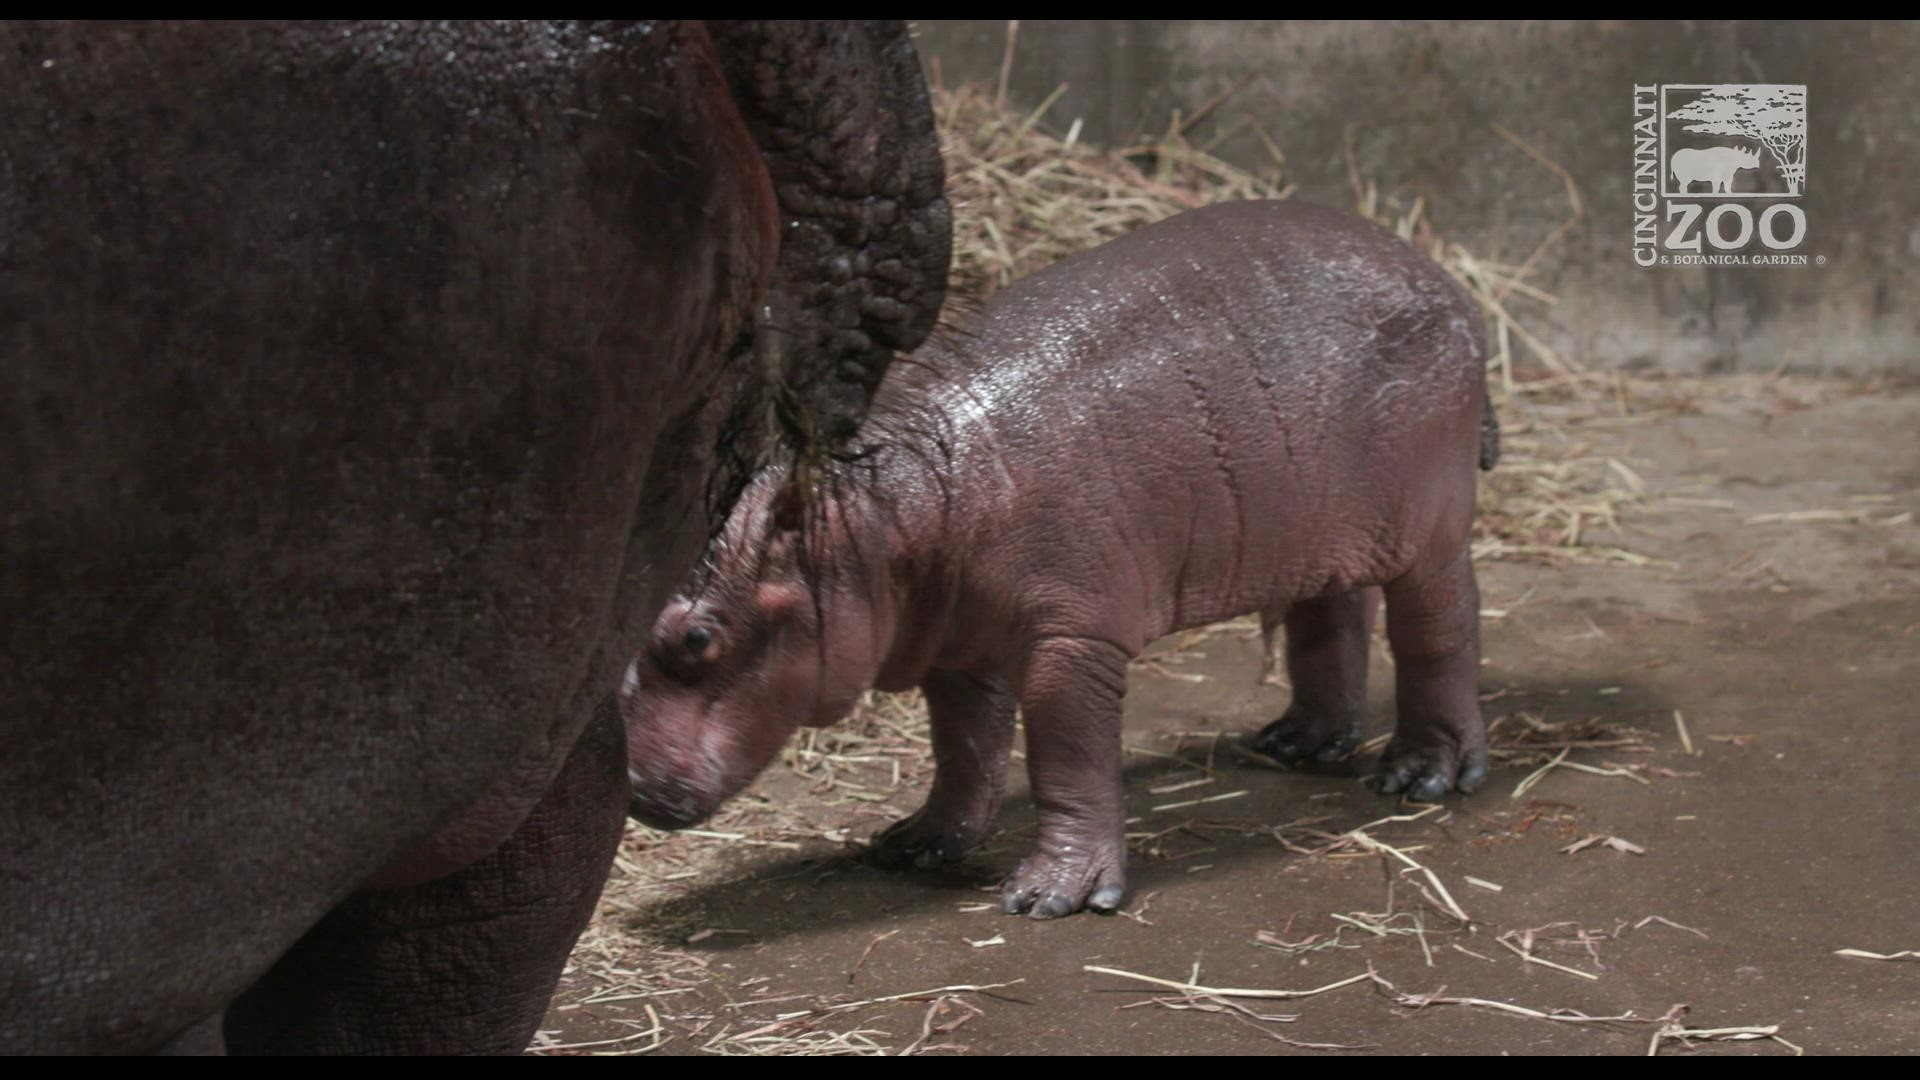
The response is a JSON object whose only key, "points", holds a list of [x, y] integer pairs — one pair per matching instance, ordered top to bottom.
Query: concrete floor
{"points": [[1791, 649]]}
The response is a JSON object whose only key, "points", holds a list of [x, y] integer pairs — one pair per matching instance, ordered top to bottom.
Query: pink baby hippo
{"points": [[1255, 407]]}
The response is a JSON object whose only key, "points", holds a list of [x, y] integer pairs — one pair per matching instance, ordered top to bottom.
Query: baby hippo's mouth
{"points": [[666, 805]]}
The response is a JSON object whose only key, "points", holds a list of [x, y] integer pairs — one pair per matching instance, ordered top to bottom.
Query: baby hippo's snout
{"points": [[673, 779], [675, 782], [664, 802]]}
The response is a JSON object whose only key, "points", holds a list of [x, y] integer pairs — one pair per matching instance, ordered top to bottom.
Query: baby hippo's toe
{"points": [[1308, 735], [1427, 772], [925, 840], [1049, 886]]}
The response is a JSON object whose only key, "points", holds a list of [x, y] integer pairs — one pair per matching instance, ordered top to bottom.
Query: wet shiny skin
{"points": [[1261, 407]]}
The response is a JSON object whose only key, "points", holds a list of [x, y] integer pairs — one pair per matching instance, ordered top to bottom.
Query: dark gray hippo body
{"points": [[367, 386], [1259, 406]]}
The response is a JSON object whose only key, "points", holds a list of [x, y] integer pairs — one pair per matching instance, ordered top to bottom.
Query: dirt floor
{"points": [[1722, 883]]}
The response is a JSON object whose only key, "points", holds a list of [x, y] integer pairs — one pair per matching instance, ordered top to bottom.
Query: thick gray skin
{"points": [[364, 388], [1260, 406]]}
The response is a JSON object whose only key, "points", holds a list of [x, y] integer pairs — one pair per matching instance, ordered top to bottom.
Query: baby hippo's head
{"points": [[737, 661]]}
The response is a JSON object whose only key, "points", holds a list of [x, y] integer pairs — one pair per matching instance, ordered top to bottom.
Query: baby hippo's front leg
{"points": [[1070, 694], [972, 730]]}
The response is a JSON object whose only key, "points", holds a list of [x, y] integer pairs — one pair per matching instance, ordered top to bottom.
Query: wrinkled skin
{"points": [[367, 391], [1258, 407]]}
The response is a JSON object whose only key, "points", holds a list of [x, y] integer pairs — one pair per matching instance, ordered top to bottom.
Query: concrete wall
{"points": [[1418, 103]]}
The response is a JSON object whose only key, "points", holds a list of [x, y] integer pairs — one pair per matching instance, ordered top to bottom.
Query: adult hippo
{"points": [[367, 387]]}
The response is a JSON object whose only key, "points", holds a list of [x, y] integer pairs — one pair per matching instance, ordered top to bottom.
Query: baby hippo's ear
{"points": [[776, 601]]}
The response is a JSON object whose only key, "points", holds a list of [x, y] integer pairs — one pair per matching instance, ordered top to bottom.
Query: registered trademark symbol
{"points": [[1819, 260]]}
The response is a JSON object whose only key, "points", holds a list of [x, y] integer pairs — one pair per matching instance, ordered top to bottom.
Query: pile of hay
{"points": [[1024, 198]]}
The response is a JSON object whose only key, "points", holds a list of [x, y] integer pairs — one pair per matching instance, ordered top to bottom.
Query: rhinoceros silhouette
{"points": [[1713, 166]]}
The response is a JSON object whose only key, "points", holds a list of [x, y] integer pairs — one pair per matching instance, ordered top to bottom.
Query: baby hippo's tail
{"points": [[1489, 434]]}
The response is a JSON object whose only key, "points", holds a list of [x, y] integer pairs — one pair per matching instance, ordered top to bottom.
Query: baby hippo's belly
{"points": [[1253, 511], [1272, 540]]}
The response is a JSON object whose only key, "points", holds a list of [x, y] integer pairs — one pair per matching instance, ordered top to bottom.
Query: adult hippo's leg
{"points": [[1327, 664], [972, 726], [462, 964], [201, 1040]]}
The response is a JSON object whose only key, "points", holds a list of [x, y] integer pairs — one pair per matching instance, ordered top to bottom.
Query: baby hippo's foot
{"points": [[1301, 734], [1426, 769], [928, 839], [1049, 885]]}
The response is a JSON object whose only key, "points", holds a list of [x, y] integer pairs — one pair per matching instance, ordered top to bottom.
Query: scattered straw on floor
{"points": [[1024, 195], [1862, 954], [1668, 1026]]}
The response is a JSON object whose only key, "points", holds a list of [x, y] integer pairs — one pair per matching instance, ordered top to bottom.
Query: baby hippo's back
{"points": [[1238, 407]]}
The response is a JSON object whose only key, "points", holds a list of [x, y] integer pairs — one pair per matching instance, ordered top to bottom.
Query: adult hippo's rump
{"points": [[364, 391]]}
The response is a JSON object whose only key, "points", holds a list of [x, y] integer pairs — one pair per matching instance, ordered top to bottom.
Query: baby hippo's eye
{"points": [[687, 651]]}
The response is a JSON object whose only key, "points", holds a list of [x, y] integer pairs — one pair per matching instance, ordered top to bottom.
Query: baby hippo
{"points": [[1255, 407]]}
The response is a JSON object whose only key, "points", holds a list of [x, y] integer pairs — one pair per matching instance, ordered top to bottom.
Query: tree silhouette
{"points": [[1774, 115]]}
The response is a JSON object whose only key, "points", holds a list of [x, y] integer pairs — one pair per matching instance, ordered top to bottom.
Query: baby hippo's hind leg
{"points": [[1433, 623], [1327, 664], [972, 724]]}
